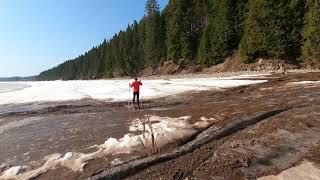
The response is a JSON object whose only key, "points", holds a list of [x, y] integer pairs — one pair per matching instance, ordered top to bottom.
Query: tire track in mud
{"points": [[208, 135]]}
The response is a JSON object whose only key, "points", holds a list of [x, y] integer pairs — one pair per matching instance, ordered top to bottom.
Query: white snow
{"points": [[248, 76], [304, 83], [11, 86], [112, 90], [204, 122], [165, 130], [116, 162], [12, 171], [305, 171]]}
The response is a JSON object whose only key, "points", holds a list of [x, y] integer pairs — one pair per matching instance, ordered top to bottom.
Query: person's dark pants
{"points": [[136, 94]]}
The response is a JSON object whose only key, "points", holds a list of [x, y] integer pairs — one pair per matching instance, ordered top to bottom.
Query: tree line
{"points": [[202, 32]]}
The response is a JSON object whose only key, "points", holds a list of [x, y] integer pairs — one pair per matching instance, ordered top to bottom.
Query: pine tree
{"points": [[293, 25], [271, 29], [174, 30], [180, 30], [201, 32], [222, 32], [311, 32], [187, 34], [152, 40], [204, 52]]}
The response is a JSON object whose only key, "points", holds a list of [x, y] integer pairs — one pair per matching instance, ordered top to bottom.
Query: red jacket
{"points": [[136, 86]]}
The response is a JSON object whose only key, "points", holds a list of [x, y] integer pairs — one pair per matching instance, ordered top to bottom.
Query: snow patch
{"points": [[248, 76], [304, 83], [11, 86], [113, 90], [204, 122], [163, 129], [125, 144], [77, 161], [116, 162], [306, 170], [12, 171]]}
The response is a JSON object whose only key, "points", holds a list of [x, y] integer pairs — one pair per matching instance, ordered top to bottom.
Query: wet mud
{"points": [[256, 147]]}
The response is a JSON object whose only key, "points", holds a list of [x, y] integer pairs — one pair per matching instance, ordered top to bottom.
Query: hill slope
{"points": [[202, 33]]}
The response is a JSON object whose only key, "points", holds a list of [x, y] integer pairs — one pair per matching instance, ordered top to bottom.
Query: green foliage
{"points": [[184, 26], [271, 29], [223, 31], [202, 32], [154, 33], [311, 33], [204, 53]]}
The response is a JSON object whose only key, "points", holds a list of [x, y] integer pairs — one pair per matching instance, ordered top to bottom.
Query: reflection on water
{"points": [[9, 87]]}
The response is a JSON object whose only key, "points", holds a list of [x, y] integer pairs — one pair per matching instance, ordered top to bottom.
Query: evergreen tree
{"points": [[293, 25], [270, 29], [152, 30], [174, 30], [180, 30], [223, 31], [201, 32], [311, 32], [204, 52]]}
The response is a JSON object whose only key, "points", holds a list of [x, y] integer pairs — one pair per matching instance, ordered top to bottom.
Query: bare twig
{"points": [[144, 127], [153, 140], [142, 144]]}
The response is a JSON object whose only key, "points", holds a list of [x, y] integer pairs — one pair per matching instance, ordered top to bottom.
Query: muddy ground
{"points": [[267, 147]]}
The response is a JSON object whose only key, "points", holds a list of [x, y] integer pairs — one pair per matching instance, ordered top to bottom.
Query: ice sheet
{"points": [[304, 83], [113, 90]]}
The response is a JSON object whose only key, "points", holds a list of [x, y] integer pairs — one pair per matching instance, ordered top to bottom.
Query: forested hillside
{"points": [[202, 32]]}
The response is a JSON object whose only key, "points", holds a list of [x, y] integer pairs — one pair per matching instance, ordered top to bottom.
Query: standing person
{"points": [[136, 88]]}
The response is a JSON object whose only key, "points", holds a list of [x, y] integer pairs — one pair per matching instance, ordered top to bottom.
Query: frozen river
{"points": [[108, 90], [37, 120]]}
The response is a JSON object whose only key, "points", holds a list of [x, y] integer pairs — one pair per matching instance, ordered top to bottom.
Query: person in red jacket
{"points": [[136, 88]]}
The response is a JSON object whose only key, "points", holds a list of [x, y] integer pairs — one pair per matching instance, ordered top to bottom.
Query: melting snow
{"points": [[304, 82], [112, 90], [165, 130], [306, 170]]}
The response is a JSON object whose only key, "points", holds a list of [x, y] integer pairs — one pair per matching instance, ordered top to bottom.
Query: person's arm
{"points": [[140, 82], [131, 84]]}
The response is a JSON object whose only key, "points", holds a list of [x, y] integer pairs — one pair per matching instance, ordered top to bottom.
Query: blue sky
{"points": [[38, 34]]}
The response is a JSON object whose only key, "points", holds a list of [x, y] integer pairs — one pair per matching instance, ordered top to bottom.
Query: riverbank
{"points": [[239, 154]]}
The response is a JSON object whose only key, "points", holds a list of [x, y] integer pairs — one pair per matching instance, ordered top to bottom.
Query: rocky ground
{"points": [[257, 130]]}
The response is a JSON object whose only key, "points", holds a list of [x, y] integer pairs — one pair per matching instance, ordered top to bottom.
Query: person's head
{"points": [[136, 79]]}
